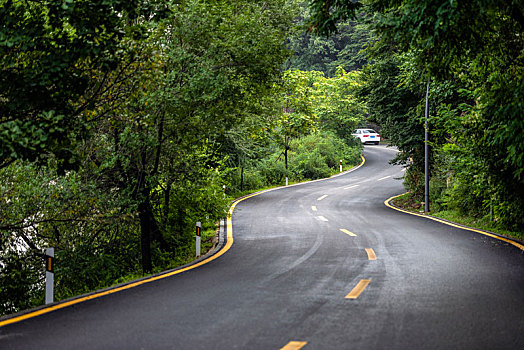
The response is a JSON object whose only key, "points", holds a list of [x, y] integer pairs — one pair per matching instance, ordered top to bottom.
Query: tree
{"points": [[344, 48], [48, 51], [480, 54], [198, 76], [336, 104], [297, 118], [152, 125]]}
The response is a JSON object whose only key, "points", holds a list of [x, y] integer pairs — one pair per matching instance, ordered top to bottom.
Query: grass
{"points": [[408, 203]]}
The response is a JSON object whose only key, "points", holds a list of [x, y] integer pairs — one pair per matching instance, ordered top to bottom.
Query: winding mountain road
{"points": [[322, 265]]}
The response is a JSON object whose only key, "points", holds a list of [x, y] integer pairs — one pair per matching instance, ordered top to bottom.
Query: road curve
{"points": [[323, 265]]}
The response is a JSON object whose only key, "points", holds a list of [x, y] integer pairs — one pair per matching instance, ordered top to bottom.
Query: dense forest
{"points": [[470, 55], [123, 123]]}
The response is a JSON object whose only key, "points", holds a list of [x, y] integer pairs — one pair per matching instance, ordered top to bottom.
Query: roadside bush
{"points": [[323, 147], [309, 165], [272, 169]]}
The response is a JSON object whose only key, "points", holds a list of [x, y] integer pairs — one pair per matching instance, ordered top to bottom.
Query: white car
{"points": [[367, 136]]}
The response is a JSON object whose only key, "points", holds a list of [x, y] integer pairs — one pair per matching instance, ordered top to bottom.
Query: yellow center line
{"points": [[383, 178], [347, 188], [321, 198], [313, 208], [321, 218], [348, 232], [371, 254], [359, 288], [294, 345]]}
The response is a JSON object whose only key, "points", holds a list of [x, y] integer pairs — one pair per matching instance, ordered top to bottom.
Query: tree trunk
{"points": [[241, 179], [149, 231], [145, 237]]}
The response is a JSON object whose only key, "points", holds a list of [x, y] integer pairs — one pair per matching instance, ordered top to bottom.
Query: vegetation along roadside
{"points": [[122, 121]]}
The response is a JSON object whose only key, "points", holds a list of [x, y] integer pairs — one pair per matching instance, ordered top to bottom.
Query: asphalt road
{"points": [[293, 275]]}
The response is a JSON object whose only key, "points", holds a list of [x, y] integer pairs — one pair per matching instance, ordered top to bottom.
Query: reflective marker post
{"points": [[341, 165], [198, 228], [49, 274]]}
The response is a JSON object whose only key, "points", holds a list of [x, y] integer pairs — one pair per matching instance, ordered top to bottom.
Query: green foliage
{"points": [[327, 13], [48, 51], [326, 54], [476, 68], [336, 104], [392, 104], [151, 112], [120, 121], [317, 155], [311, 157], [272, 170], [94, 240], [21, 286]]}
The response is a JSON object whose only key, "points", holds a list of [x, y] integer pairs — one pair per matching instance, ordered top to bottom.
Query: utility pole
{"points": [[426, 154]]}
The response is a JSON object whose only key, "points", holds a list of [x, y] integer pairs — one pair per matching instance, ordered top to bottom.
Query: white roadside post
{"points": [[341, 165], [198, 228], [49, 274]]}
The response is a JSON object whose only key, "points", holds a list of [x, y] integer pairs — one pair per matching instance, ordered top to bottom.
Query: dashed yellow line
{"points": [[322, 197], [313, 208], [349, 233], [371, 254], [359, 288], [294, 345]]}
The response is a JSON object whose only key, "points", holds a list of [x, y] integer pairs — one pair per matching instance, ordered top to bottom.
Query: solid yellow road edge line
{"points": [[348, 232], [485, 233], [229, 243], [371, 254], [359, 288], [61, 305]]}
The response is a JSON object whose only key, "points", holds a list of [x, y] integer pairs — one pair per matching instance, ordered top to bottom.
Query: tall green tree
{"points": [[344, 48], [48, 52], [482, 55], [336, 103], [298, 117], [152, 125]]}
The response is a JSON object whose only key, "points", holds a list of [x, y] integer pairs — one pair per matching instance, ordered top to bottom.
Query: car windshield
{"points": [[369, 131]]}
